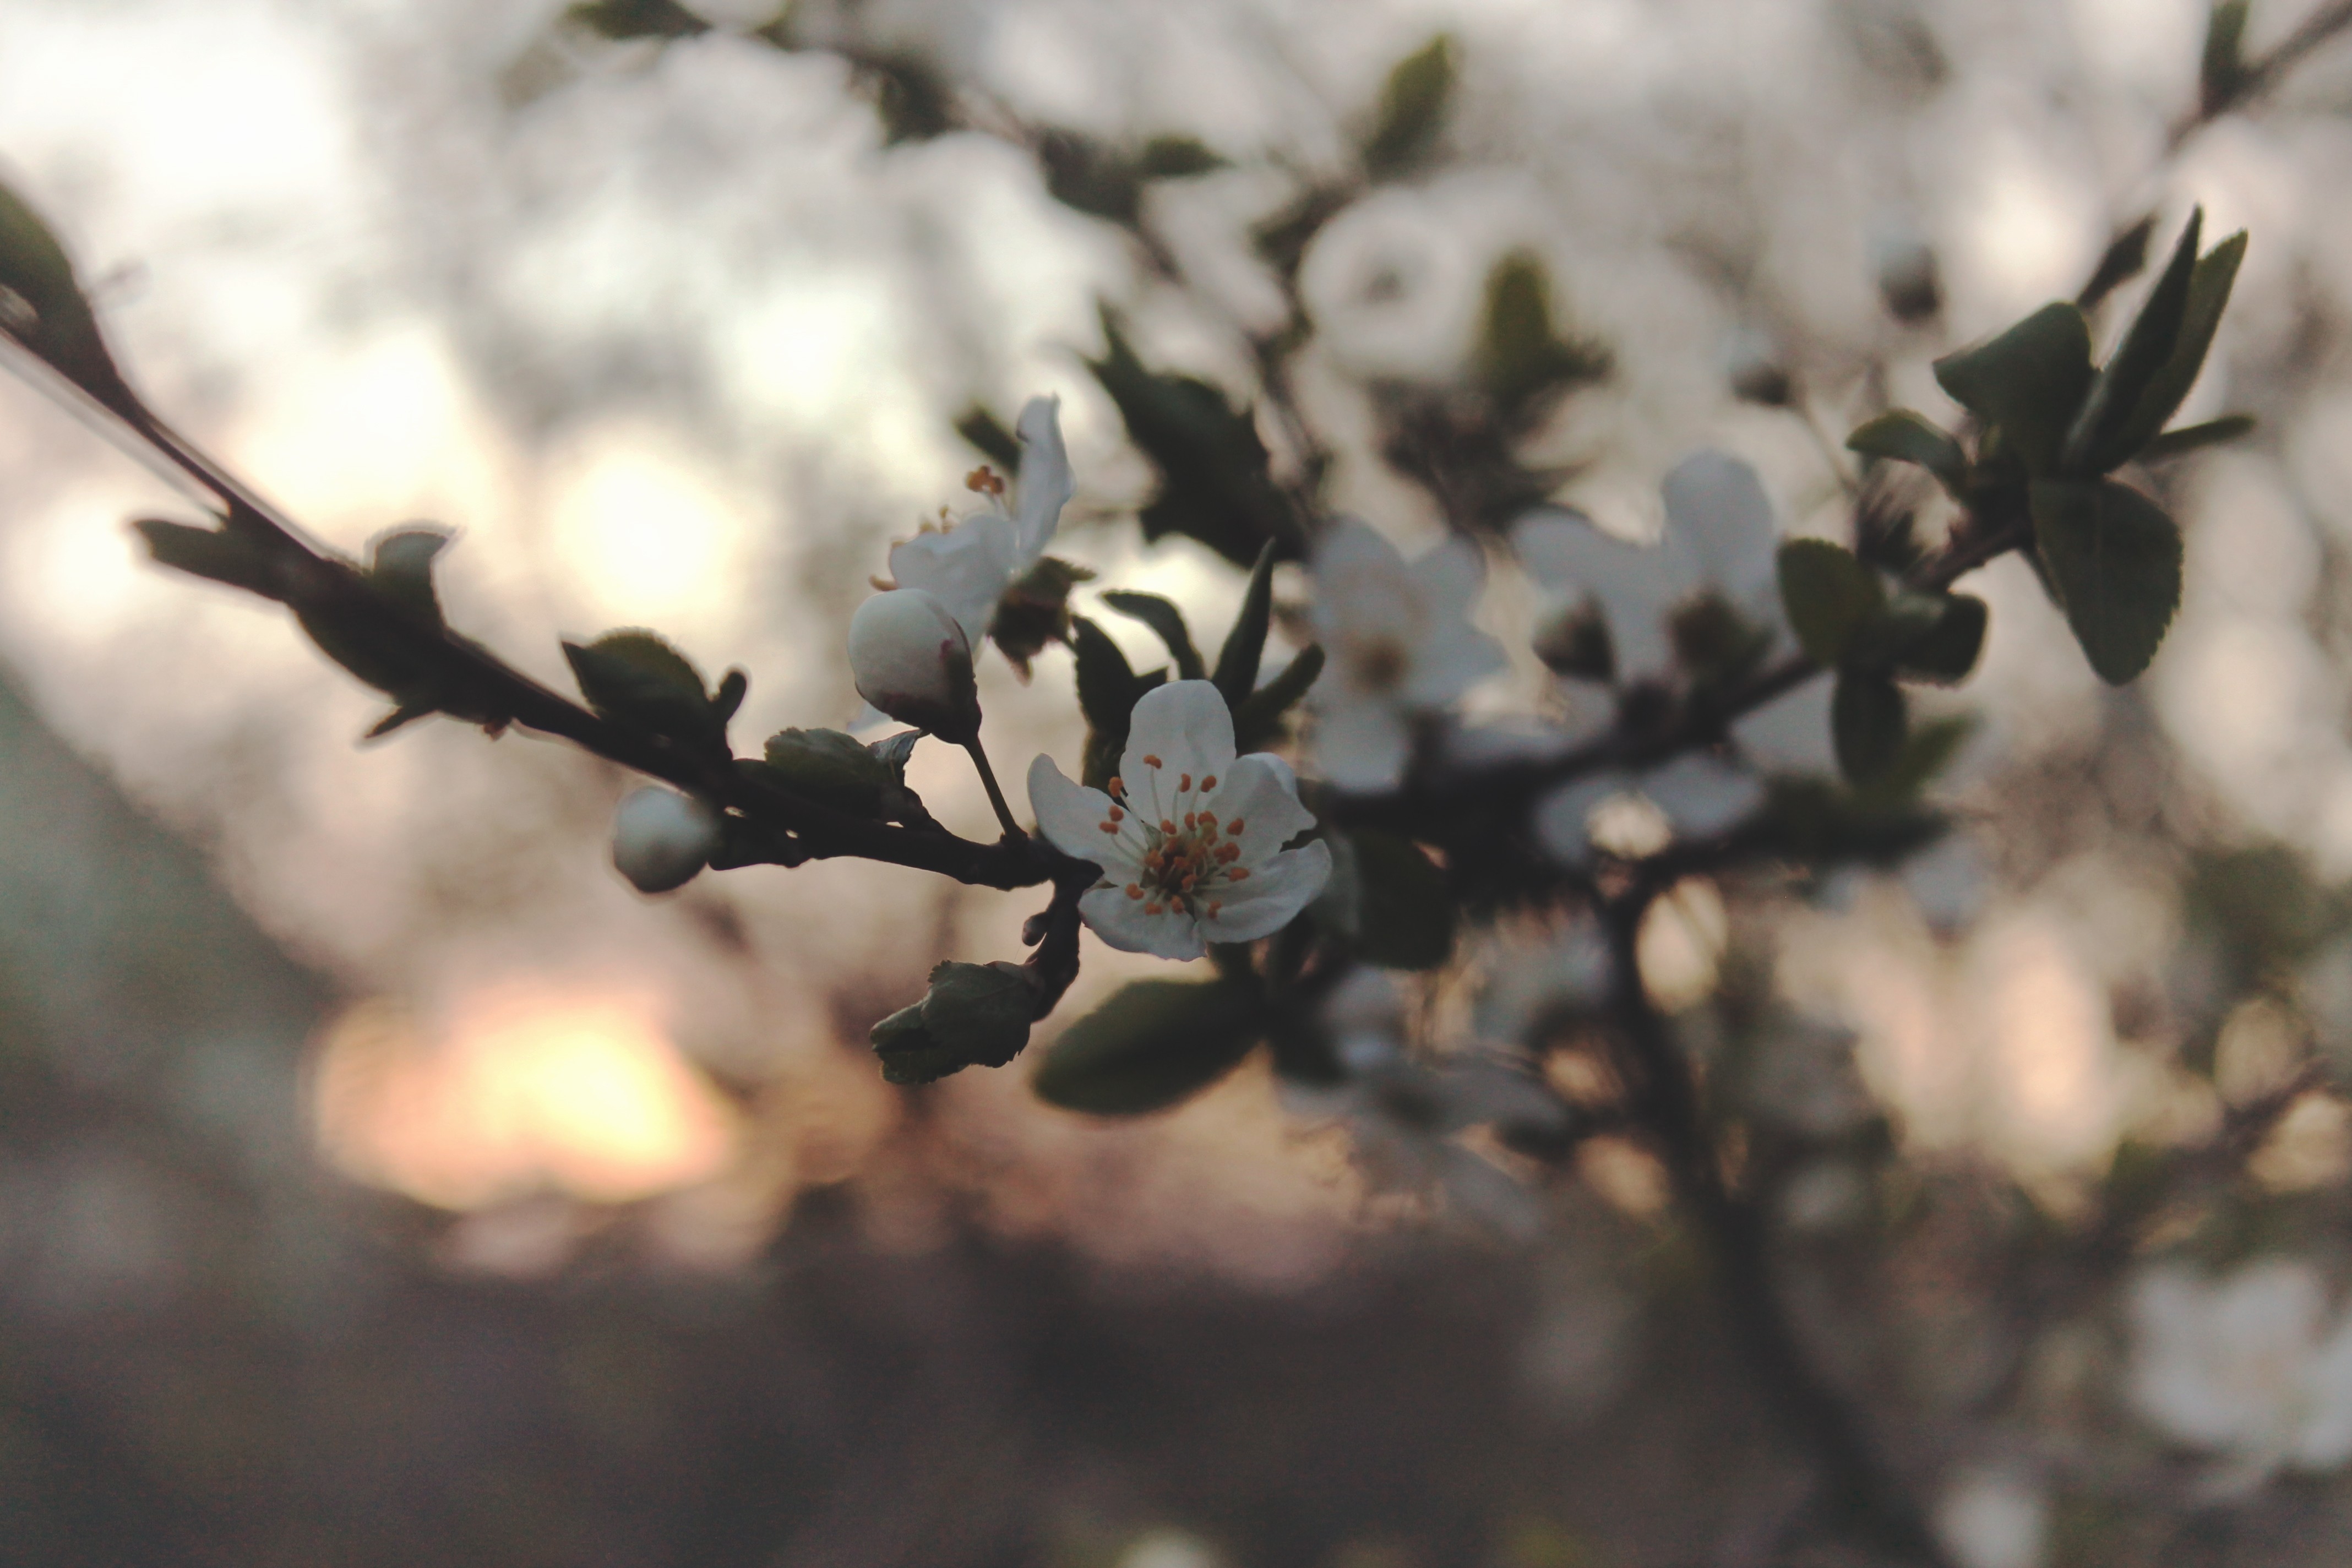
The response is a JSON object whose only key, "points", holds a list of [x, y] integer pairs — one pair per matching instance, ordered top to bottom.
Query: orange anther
{"points": [[1151, 761], [1184, 783], [1209, 783], [1117, 788], [1116, 814], [1234, 825], [1110, 827], [1168, 827], [1238, 874], [1133, 891], [1153, 910]]}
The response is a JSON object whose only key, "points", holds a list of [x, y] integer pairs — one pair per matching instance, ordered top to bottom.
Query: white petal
{"points": [[1045, 481], [1717, 507], [1352, 544], [966, 568], [1450, 576], [1635, 585], [909, 657], [1453, 658], [1186, 725], [1790, 735], [1361, 744], [1259, 791], [1703, 795], [1071, 816], [1562, 818], [1272, 898], [1123, 923], [2326, 1441]]}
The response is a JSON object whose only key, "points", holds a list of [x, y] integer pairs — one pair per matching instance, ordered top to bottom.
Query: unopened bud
{"points": [[911, 660], [662, 838]]}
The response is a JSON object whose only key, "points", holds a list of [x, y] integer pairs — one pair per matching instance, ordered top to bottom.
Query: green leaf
{"points": [[623, 19], [2222, 73], [1414, 102], [1178, 158], [1086, 177], [2120, 263], [2209, 295], [42, 307], [1522, 359], [2029, 381], [2123, 381], [984, 430], [1908, 437], [2190, 437], [211, 552], [2113, 557], [401, 563], [1829, 596], [1166, 619], [1945, 634], [1237, 660], [636, 679], [1106, 685], [734, 686], [1868, 718], [1259, 719], [1929, 749], [830, 767], [1404, 912], [975, 1015], [1153, 1043]]}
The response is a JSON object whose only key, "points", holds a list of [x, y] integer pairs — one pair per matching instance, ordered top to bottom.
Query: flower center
{"points": [[1380, 663], [1187, 864]]}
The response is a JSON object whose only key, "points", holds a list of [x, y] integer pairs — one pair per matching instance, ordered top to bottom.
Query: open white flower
{"points": [[969, 566], [1400, 641], [911, 660], [1699, 796], [1190, 837], [662, 840], [2248, 1366]]}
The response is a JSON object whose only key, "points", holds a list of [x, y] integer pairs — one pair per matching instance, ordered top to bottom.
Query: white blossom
{"points": [[969, 566], [1400, 641], [911, 659], [1699, 796], [1190, 836], [661, 839], [2251, 1366], [1994, 1517]]}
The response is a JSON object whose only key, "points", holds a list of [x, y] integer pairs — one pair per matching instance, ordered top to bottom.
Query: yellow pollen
{"points": [[1151, 761]]}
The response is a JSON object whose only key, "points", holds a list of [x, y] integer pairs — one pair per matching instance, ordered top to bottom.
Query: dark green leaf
{"points": [[624, 19], [2222, 72], [913, 101], [1413, 105], [1177, 158], [1086, 177], [2120, 264], [2209, 295], [42, 307], [1522, 359], [2029, 381], [2123, 381], [987, 432], [1908, 437], [2191, 438], [209, 552], [2113, 557], [401, 563], [1829, 596], [1166, 619], [1945, 636], [1237, 660], [636, 679], [1106, 685], [734, 686], [406, 714], [1259, 718], [1868, 718], [1928, 750], [894, 751], [830, 767], [1405, 912], [975, 1015], [1152, 1044]]}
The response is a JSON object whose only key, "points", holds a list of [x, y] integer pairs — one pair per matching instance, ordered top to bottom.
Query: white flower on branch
{"points": [[970, 565], [1400, 641], [911, 659], [1699, 796], [1190, 836], [662, 840], [2248, 1366]]}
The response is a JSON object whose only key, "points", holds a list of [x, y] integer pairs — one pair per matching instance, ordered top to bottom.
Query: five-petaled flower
{"points": [[970, 565], [1400, 644], [1190, 836]]}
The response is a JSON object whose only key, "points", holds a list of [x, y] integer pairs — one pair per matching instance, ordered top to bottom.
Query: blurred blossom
{"points": [[970, 565], [1401, 644], [1790, 735], [1698, 796], [1529, 985], [2253, 1366], [1994, 1518]]}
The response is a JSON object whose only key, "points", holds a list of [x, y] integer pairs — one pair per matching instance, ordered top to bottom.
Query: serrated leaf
{"points": [[1414, 102], [1178, 158], [2209, 296], [48, 312], [2029, 381], [2122, 382], [1910, 437], [2191, 438], [210, 552], [2113, 557], [401, 563], [1829, 596], [1164, 618], [1944, 638], [1245, 645], [636, 679], [1868, 718], [1259, 719], [830, 767], [1404, 912], [974, 1014], [1152, 1044]]}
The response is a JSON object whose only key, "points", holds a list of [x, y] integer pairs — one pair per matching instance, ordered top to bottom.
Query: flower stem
{"points": [[995, 796]]}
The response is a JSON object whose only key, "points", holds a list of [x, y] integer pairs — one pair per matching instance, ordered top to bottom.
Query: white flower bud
{"points": [[911, 660], [662, 838]]}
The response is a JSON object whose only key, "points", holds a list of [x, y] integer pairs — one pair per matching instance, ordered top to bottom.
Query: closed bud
{"points": [[911, 660], [662, 838]]}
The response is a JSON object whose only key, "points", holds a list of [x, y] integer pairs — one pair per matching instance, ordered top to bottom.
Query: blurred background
{"points": [[383, 1181]]}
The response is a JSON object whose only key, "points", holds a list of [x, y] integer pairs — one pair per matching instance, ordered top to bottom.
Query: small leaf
{"points": [[624, 19], [2222, 73], [910, 99], [1414, 102], [1178, 158], [2119, 264], [2209, 295], [42, 307], [1522, 359], [2029, 381], [2122, 381], [984, 430], [1908, 437], [2191, 438], [211, 552], [2112, 558], [401, 563], [1829, 596], [1166, 619], [1944, 638], [1237, 660], [636, 679], [734, 686], [1107, 688], [1868, 717], [1259, 719], [893, 750], [1928, 750], [829, 767], [1404, 912], [975, 1015], [1153, 1043]]}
